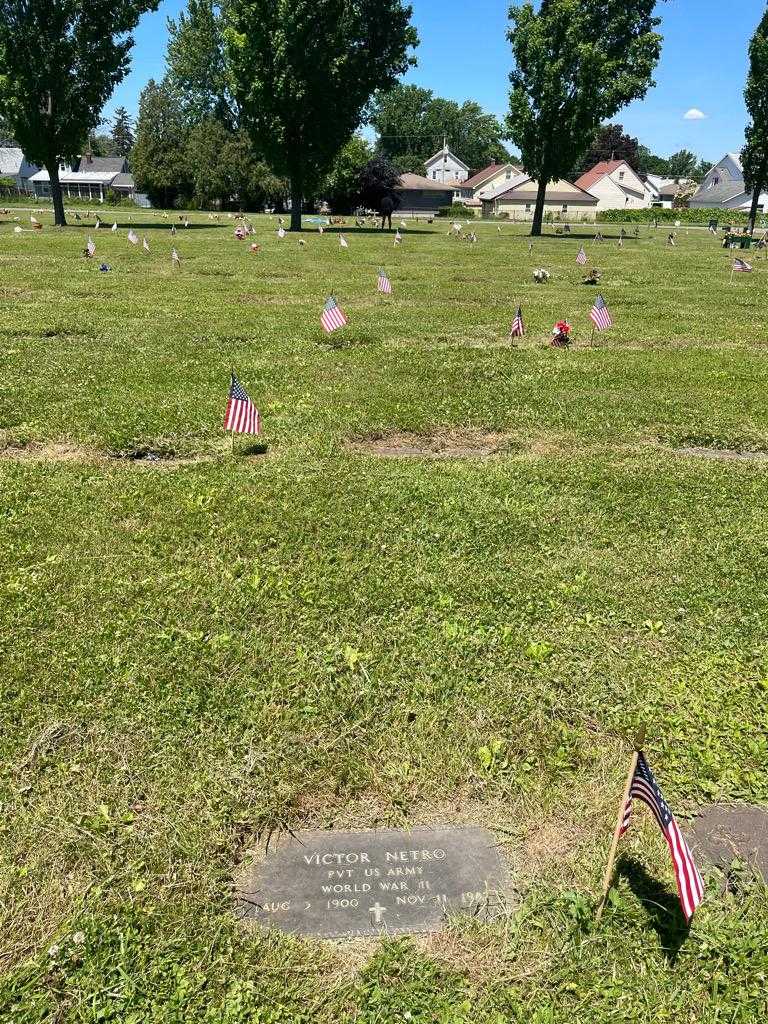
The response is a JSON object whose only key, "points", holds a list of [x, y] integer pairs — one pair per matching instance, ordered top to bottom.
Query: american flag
{"points": [[114, 226], [281, 232], [398, 237], [133, 238], [343, 242], [144, 244], [90, 247], [581, 257], [175, 258], [741, 265], [384, 284], [599, 314], [332, 316], [518, 328], [242, 416], [690, 886]]}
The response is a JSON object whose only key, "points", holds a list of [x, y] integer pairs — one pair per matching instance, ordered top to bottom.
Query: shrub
{"points": [[455, 210], [687, 216]]}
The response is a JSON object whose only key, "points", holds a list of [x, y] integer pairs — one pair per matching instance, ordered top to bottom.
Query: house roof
{"points": [[445, 152], [11, 160], [102, 164], [598, 171], [488, 172], [77, 177], [123, 181], [416, 181], [552, 195]]}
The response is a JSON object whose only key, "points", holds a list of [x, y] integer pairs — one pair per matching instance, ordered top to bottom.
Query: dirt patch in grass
{"points": [[449, 444], [67, 451], [723, 454], [726, 833]]}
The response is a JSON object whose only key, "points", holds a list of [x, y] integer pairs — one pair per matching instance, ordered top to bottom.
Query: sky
{"points": [[464, 55]]}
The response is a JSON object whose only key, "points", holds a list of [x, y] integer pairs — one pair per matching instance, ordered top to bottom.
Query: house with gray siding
{"points": [[13, 164], [446, 167], [723, 188], [417, 195]]}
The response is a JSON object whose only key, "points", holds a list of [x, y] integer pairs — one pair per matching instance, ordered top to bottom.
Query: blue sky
{"points": [[464, 55]]}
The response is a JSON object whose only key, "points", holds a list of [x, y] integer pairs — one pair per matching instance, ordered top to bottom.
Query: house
{"points": [[13, 164], [444, 166], [92, 178], [616, 186], [723, 188], [469, 192], [664, 192], [419, 195], [517, 200]]}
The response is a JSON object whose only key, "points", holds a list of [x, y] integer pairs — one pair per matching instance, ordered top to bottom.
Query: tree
{"points": [[60, 61], [577, 62], [196, 63], [304, 71], [411, 124], [122, 132], [610, 143], [754, 156], [158, 160], [649, 163], [682, 164], [703, 168], [222, 169], [378, 179], [341, 187]]}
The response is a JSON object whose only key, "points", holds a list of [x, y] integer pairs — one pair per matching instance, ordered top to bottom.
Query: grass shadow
{"points": [[257, 448], [661, 906]]}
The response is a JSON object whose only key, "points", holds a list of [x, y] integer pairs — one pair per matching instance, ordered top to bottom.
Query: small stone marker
{"points": [[727, 832], [348, 884]]}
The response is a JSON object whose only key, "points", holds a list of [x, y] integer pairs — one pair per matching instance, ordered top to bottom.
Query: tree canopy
{"points": [[196, 61], [577, 62], [59, 63], [304, 72], [412, 122], [122, 132], [610, 143], [754, 156], [341, 186]]}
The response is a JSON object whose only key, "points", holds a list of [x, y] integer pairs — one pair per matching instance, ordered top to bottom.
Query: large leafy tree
{"points": [[59, 62], [577, 62], [196, 63], [304, 72], [411, 124], [610, 143], [754, 156], [158, 160], [682, 164], [223, 171], [341, 186]]}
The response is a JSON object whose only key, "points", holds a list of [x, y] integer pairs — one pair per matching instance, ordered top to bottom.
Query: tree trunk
{"points": [[756, 198], [58, 199], [297, 199], [538, 213]]}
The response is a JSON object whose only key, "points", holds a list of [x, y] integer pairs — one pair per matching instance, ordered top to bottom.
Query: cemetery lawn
{"points": [[202, 647]]}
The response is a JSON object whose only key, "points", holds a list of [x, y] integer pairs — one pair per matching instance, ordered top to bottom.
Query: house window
{"points": [[434, 175], [509, 175], [621, 175], [716, 180], [527, 207], [564, 207]]}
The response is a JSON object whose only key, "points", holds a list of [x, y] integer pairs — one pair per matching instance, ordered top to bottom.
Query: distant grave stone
{"points": [[728, 832], [349, 884]]}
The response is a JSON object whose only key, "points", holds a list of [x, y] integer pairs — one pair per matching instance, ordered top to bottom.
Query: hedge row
{"points": [[685, 216]]}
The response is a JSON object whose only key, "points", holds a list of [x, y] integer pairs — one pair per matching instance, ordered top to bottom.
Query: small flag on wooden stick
{"points": [[114, 226], [281, 232], [133, 238], [343, 242], [145, 243], [90, 247], [581, 257], [175, 258], [741, 266], [383, 283], [599, 315], [332, 316], [518, 327], [241, 416], [641, 785]]}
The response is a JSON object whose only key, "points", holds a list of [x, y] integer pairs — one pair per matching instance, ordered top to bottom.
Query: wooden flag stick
{"points": [[608, 876]]}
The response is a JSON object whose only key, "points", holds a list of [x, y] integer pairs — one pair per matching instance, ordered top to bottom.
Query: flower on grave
{"points": [[562, 327], [78, 938], [54, 951]]}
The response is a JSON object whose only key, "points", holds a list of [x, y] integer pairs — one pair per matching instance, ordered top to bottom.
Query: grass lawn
{"points": [[204, 648]]}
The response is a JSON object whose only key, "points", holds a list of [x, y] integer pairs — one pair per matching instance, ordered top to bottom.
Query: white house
{"points": [[13, 164], [445, 167], [93, 178], [616, 186], [723, 188], [663, 191], [470, 192], [516, 199]]}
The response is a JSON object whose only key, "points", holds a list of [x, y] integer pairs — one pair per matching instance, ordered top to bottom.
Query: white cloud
{"points": [[694, 114]]}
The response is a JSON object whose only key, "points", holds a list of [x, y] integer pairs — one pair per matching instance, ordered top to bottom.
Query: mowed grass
{"points": [[202, 650]]}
